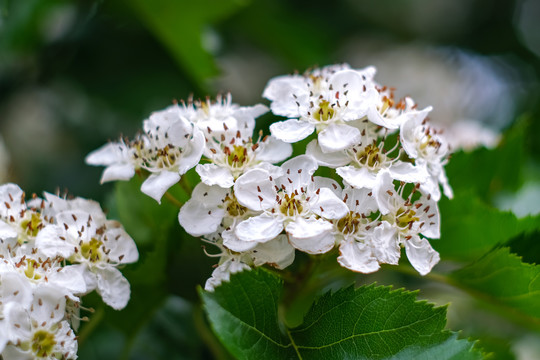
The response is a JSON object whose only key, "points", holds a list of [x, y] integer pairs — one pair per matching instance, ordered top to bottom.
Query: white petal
{"points": [[280, 91], [291, 130], [337, 137], [274, 150], [194, 153], [108, 154], [332, 160], [404, 171], [118, 172], [297, 173], [211, 174], [357, 177], [324, 182], [157, 184], [247, 189], [382, 190], [211, 196], [359, 201], [327, 205], [198, 219], [260, 228], [6, 231], [311, 235], [232, 242], [384, 242], [50, 243], [123, 248], [278, 253], [421, 255], [357, 257], [70, 278], [113, 287], [15, 288], [48, 305]]}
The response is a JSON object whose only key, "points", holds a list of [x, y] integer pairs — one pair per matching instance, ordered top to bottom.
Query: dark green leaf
{"points": [[179, 25], [470, 228], [502, 278], [365, 323]]}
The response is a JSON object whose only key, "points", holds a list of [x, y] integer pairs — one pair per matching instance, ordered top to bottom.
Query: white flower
{"points": [[328, 101], [222, 114], [170, 147], [430, 151], [233, 152], [293, 202], [408, 221], [19, 225], [97, 246], [40, 331]]}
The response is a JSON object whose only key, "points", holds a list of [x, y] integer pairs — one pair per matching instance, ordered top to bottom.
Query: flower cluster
{"points": [[388, 172], [52, 252]]}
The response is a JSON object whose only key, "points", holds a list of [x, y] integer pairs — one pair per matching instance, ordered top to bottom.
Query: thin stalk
{"points": [[170, 197], [91, 325]]}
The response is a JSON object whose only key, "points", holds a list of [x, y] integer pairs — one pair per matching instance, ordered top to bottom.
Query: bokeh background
{"points": [[74, 74]]}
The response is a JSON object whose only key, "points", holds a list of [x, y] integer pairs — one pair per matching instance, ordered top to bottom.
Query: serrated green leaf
{"points": [[501, 277], [365, 323]]}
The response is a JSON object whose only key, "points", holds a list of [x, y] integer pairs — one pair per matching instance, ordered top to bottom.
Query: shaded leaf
{"points": [[470, 228], [503, 278], [365, 323]]}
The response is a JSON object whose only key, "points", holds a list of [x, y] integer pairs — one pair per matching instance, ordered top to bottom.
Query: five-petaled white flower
{"points": [[330, 100], [296, 202]]}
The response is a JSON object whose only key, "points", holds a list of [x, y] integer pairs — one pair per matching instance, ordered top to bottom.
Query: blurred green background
{"points": [[74, 74]]}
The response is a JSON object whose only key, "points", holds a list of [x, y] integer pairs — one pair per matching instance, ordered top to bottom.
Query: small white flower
{"points": [[327, 100], [430, 150], [234, 152], [293, 202], [408, 221], [98, 247], [40, 331]]}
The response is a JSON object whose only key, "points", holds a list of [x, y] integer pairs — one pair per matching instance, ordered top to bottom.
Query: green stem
{"points": [[186, 186], [173, 200], [91, 325]]}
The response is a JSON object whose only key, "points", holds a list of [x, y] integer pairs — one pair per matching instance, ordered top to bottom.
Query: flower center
{"points": [[325, 111], [238, 156], [369, 156], [290, 205], [233, 207], [405, 218], [349, 223], [31, 226], [90, 250], [30, 272], [43, 343]]}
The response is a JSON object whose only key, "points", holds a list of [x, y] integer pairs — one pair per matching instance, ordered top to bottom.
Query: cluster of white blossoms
{"points": [[388, 161], [53, 251]]}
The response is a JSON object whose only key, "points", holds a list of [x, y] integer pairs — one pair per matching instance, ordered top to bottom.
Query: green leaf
{"points": [[179, 25], [470, 228], [501, 277], [366, 323]]}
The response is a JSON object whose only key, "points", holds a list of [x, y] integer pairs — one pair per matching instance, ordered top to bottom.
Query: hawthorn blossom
{"points": [[329, 100], [169, 147], [430, 151], [234, 152], [295, 202], [408, 221], [97, 247], [40, 331]]}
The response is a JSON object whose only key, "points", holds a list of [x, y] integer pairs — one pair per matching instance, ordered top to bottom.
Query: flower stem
{"points": [[170, 197]]}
